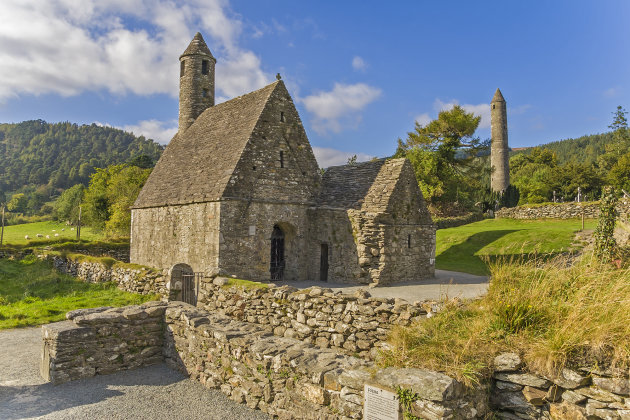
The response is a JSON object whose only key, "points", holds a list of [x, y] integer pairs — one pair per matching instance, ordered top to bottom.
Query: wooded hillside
{"points": [[60, 155]]}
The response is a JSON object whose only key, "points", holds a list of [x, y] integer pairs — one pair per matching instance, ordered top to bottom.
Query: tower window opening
{"points": [[204, 67], [182, 68], [204, 93], [493, 106], [281, 116], [282, 159], [408, 241]]}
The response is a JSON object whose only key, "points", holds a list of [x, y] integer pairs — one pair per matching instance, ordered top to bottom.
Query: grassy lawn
{"points": [[15, 235], [464, 248], [33, 293]]}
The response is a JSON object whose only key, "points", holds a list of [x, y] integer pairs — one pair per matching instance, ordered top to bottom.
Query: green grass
{"points": [[15, 235], [467, 248], [245, 284], [33, 293]]}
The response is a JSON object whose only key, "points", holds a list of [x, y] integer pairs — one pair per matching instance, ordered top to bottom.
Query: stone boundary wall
{"points": [[559, 211], [16, 254], [120, 254], [141, 280], [351, 324], [103, 340], [282, 376], [291, 379], [588, 393]]}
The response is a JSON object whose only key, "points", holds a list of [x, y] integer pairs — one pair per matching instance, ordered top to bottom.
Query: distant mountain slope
{"points": [[584, 149], [63, 154]]}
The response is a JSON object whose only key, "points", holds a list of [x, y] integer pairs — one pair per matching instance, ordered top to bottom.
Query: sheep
{"points": [[71, 228], [63, 229], [54, 230], [56, 234], [39, 235], [47, 236], [27, 237]]}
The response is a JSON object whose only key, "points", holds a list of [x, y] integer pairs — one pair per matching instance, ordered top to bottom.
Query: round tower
{"points": [[196, 81], [499, 151]]}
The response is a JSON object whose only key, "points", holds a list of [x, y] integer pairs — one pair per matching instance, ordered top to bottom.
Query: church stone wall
{"points": [[334, 227], [172, 235], [245, 244]]}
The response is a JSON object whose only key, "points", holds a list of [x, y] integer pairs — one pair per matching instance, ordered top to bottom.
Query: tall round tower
{"points": [[196, 81], [499, 151]]}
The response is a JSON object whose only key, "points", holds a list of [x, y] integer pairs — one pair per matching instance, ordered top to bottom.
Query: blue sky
{"points": [[360, 72]]}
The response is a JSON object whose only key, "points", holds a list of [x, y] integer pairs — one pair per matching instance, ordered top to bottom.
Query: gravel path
{"points": [[449, 284], [155, 392]]}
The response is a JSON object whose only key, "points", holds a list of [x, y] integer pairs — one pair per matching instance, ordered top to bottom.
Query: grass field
{"points": [[15, 235], [464, 248], [33, 293]]}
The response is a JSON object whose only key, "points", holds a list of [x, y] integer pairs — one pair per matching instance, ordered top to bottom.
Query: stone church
{"points": [[238, 191]]}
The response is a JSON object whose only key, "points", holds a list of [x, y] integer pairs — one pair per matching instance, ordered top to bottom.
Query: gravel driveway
{"points": [[155, 392]]}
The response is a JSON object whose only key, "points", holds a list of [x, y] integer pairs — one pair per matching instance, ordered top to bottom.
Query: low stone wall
{"points": [[570, 210], [15, 254], [120, 254], [135, 279], [351, 324], [102, 340], [284, 377], [294, 380], [575, 394]]}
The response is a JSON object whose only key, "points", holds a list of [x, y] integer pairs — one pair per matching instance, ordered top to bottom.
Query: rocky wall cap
{"points": [[197, 46], [498, 97]]}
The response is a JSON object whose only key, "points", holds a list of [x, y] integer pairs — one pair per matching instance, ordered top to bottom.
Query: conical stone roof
{"points": [[197, 46], [498, 97]]}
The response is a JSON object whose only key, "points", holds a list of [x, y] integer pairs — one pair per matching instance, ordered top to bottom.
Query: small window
{"points": [[204, 67], [182, 68], [204, 93], [493, 106], [281, 116], [282, 159], [253, 168], [408, 241]]}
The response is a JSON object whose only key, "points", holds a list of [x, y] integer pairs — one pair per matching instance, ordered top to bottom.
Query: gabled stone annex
{"points": [[238, 191]]}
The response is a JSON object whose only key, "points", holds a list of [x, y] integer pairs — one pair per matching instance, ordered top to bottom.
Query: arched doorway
{"points": [[277, 254], [183, 281]]}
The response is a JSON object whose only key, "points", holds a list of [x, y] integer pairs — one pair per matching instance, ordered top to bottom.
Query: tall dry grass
{"points": [[554, 313]]}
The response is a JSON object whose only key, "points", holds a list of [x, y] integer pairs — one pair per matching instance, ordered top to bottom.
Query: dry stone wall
{"points": [[559, 211], [135, 279], [351, 324], [103, 340], [294, 380], [588, 393]]}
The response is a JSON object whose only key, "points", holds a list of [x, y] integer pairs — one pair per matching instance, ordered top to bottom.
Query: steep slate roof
{"points": [[197, 46], [498, 97], [198, 163], [346, 186]]}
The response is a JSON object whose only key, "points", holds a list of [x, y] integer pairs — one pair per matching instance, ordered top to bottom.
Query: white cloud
{"points": [[70, 46], [359, 64], [609, 93], [339, 108], [480, 109], [423, 119], [160, 131], [331, 157]]}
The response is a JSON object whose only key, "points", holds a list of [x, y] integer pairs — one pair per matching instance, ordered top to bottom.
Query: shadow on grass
{"points": [[461, 257]]}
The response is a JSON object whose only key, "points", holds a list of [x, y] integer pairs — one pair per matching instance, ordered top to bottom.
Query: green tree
{"points": [[620, 143], [443, 153], [619, 175], [111, 192], [18, 203], [66, 207]]}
